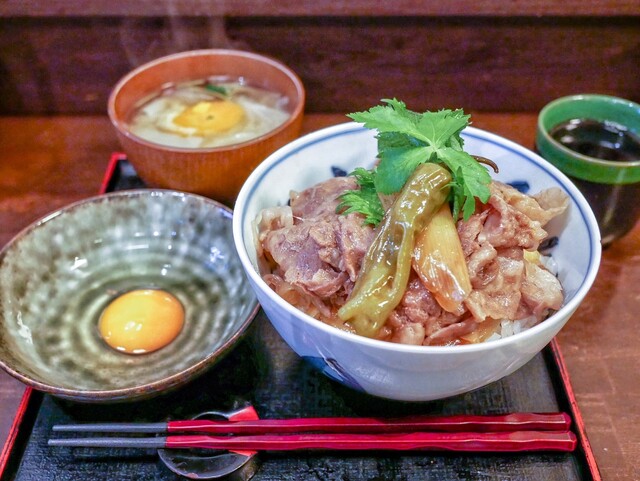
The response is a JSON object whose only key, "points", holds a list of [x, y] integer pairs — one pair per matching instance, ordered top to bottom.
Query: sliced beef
{"points": [[322, 198], [493, 241], [320, 252], [313, 256], [541, 291], [496, 293], [419, 319]]}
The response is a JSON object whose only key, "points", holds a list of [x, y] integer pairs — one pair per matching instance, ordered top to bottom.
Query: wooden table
{"points": [[48, 162]]}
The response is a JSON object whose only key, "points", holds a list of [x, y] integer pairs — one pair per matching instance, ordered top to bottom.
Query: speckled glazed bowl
{"points": [[57, 276], [398, 371]]}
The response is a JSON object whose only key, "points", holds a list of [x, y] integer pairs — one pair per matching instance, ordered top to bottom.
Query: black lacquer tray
{"points": [[264, 371]]}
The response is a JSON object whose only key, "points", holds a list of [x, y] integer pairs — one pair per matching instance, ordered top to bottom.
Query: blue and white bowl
{"points": [[404, 372]]}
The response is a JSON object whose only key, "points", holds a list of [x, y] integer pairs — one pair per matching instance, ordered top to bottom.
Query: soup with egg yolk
{"points": [[208, 113], [211, 116], [141, 321]]}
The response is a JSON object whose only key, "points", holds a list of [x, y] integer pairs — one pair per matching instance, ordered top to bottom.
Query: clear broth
{"points": [[153, 118]]}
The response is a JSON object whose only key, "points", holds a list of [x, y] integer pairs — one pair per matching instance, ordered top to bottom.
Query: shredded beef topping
{"points": [[312, 255]]}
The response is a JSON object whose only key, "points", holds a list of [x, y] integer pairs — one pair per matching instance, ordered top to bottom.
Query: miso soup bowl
{"points": [[216, 172], [396, 371]]}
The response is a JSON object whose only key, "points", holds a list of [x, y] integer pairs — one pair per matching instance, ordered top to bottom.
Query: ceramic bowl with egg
{"points": [[200, 121], [122, 296], [402, 371]]}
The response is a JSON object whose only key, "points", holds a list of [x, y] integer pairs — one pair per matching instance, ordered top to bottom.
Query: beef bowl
{"points": [[418, 355]]}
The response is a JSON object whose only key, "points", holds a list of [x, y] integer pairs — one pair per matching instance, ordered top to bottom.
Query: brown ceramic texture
{"points": [[214, 172]]}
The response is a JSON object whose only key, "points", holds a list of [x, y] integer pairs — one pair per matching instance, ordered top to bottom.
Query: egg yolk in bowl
{"points": [[208, 113], [211, 116], [141, 321]]}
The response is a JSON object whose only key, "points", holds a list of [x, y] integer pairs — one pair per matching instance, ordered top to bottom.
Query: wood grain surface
{"points": [[320, 7], [68, 64], [48, 162]]}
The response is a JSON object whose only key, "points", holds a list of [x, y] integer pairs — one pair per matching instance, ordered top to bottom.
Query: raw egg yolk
{"points": [[211, 116], [141, 321]]}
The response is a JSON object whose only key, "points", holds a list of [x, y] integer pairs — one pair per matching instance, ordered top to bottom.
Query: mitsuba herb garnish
{"points": [[219, 89], [407, 139], [366, 200]]}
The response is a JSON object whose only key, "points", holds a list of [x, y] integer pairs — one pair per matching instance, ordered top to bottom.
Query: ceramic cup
{"points": [[609, 179]]}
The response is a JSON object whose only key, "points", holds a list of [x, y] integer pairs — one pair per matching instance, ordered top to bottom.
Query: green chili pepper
{"points": [[387, 264]]}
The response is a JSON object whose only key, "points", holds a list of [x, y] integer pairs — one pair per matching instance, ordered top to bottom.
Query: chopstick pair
{"points": [[504, 433]]}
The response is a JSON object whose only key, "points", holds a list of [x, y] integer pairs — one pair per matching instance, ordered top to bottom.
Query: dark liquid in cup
{"points": [[602, 140], [615, 206]]}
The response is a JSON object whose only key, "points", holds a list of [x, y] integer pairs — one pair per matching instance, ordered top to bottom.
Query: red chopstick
{"points": [[509, 422], [459, 423], [509, 432], [458, 441], [516, 441]]}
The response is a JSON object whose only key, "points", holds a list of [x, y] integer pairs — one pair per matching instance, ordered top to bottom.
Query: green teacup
{"points": [[595, 140]]}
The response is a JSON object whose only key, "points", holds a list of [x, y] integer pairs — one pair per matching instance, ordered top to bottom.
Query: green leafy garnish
{"points": [[219, 89], [407, 139], [365, 200]]}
